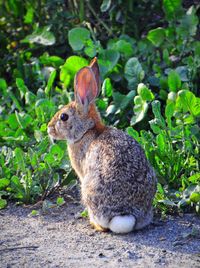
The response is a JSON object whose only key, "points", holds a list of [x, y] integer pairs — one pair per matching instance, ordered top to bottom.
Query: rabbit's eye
{"points": [[64, 117]]}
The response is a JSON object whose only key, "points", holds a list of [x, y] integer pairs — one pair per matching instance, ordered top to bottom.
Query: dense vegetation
{"points": [[149, 57]]}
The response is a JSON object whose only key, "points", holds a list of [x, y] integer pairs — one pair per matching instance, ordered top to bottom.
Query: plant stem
{"points": [[99, 19]]}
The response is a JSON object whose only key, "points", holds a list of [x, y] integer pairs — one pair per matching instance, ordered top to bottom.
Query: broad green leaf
{"points": [[105, 5], [171, 7], [188, 24], [41, 36], [156, 36], [77, 38], [124, 47], [90, 48], [107, 60], [54, 61], [72, 65], [182, 71], [133, 72], [174, 81], [50, 82], [107, 88], [144, 92], [127, 99], [121, 101], [188, 102], [140, 112], [23, 119], [12, 121], [133, 133], [55, 154], [194, 178], [4, 183], [195, 197], [3, 203]]}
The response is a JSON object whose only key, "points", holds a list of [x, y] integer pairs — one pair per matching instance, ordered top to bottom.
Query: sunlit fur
{"points": [[117, 182]]}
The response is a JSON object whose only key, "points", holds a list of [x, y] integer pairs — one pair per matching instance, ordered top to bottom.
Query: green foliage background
{"points": [[149, 57]]}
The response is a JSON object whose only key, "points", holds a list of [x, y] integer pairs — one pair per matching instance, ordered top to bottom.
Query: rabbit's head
{"points": [[79, 116]]}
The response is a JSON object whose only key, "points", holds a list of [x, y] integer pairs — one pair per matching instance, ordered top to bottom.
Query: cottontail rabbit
{"points": [[117, 182]]}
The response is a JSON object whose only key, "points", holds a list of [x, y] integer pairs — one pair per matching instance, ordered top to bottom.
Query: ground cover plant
{"points": [[149, 57]]}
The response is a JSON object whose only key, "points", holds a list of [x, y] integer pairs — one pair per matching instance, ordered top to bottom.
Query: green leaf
{"points": [[105, 5], [171, 7], [28, 18], [188, 24], [41, 36], [156, 36], [77, 38], [124, 47], [90, 49], [107, 60], [54, 61], [72, 65], [182, 71], [133, 72], [174, 81], [50, 82], [3, 86], [21, 86], [107, 88], [144, 92], [188, 102], [140, 110], [156, 110], [169, 111], [23, 119], [12, 121], [133, 133], [161, 142], [19, 156], [194, 178], [4, 183], [195, 197], [60, 201], [3, 203], [34, 213], [84, 213]]}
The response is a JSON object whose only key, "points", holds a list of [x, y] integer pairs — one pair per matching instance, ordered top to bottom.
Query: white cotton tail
{"points": [[122, 224]]}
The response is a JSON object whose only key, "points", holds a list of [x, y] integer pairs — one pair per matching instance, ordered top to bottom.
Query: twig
{"points": [[98, 19], [16, 248]]}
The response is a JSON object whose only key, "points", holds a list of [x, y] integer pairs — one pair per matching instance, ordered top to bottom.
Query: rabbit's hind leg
{"points": [[100, 224], [97, 227]]}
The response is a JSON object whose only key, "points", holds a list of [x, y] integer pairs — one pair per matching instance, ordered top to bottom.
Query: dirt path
{"points": [[61, 239]]}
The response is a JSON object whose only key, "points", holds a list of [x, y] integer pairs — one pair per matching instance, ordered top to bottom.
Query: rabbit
{"points": [[117, 182]]}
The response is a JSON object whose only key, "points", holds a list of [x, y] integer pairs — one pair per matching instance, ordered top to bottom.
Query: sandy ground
{"points": [[61, 238]]}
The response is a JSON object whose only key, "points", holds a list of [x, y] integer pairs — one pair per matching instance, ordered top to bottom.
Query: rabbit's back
{"points": [[118, 178]]}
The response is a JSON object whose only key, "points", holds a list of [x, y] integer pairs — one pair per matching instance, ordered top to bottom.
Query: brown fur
{"points": [[116, 178]]}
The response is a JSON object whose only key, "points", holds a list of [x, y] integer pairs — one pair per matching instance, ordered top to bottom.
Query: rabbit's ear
{"points": [[95, 68], [85, 87]]}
